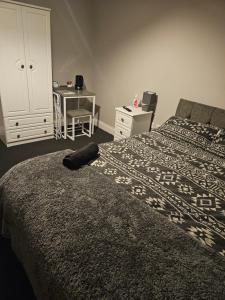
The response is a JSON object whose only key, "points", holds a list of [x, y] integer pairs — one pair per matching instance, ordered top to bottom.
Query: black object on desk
{"points": [[79, 82]]}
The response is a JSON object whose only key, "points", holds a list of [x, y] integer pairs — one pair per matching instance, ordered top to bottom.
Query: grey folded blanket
{"points": [[81, 157], [81, 236]]}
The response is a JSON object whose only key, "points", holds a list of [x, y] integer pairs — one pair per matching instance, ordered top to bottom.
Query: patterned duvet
{"points": [[174, 171], [92, 233]]}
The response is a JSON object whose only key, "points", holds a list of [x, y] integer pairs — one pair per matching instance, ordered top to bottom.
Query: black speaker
{"points": [[79, 82], [149, 101]]}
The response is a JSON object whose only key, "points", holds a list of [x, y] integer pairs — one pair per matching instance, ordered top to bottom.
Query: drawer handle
{"points": [[122, 119], [45, 120], [17, 123], [45, 131], [121, 132], [18, 136]]}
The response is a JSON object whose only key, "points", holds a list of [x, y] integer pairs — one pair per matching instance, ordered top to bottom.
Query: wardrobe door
{"points": [[38, 57], [13, 78]]}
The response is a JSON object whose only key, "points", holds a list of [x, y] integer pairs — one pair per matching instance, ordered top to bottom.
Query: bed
{"points": [[146, 220]]}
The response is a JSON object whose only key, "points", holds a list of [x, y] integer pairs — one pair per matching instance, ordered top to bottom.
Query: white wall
{"points": [[124, 47], [176, 48]]}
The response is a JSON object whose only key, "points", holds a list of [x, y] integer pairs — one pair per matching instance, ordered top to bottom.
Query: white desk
{"points": [[70, 93]]}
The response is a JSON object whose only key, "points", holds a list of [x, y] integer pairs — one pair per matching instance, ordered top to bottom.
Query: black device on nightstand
{"points": [[149, 103], [127, 108]]}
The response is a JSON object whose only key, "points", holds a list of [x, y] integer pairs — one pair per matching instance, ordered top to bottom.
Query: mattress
{"points": [[144, 221]]}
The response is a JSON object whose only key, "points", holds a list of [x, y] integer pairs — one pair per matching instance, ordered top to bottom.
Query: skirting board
{"points": [[106, 127]]}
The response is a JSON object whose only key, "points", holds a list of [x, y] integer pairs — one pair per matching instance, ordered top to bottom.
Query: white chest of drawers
{"points": [[131, 123]]}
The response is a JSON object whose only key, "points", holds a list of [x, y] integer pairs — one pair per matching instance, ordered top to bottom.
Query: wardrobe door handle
{"points": [[22, 66], [31, 67], [45, 120], [122, 120], [17, 124], [45, 131], [121, 132], [18, 136]]}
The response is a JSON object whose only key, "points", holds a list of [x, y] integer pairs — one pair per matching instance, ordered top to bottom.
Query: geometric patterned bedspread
{"points": [[181, 181]]}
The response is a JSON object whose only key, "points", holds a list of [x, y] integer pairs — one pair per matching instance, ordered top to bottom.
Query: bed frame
{"points": [[201, 113]]}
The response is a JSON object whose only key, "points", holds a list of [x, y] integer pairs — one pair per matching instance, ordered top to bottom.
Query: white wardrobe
{"points": [[26, 110]]}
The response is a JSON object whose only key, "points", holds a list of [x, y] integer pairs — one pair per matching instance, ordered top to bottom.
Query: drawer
{"points": [[123, 119], [21, 122], [122, 132], [20, 135], [117, 138]]}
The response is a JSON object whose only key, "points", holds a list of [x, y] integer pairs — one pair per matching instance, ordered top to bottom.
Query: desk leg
{"points": [[93, 116], [64, 118]]}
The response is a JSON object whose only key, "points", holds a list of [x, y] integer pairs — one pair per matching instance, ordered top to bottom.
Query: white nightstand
{"points": [[131, 123]]}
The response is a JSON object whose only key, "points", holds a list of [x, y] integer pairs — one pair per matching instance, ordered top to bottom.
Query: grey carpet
{"points": [[11, 156]]}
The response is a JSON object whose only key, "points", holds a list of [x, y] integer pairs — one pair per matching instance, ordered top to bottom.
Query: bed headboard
{"points": [[201, 113]]}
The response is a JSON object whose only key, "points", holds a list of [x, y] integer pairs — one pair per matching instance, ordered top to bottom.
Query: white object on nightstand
{"points": [[131, 123]]}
